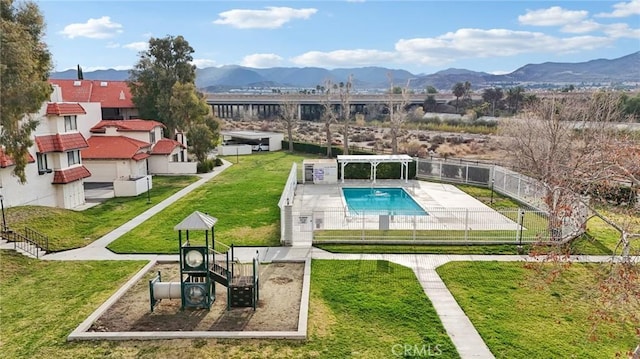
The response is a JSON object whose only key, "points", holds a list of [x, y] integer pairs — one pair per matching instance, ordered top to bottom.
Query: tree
{"points": [[167, 61], [24, 69], [458, 90], [344, 91], [467, 91], [492, 96], [515, 96], [397, 107], [328, 114], [193, 115], [289, 115], [567, 144]]}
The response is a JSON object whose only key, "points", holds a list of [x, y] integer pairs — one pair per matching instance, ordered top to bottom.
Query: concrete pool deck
{"points": [[448, 208]]}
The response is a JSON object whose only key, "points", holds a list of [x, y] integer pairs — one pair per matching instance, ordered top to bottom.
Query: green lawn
{"points": [[244, 198], [69, 229], [364, 309], [520, 318]]}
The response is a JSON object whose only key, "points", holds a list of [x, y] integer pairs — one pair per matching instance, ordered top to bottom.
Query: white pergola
{"points": [[375, 160]]}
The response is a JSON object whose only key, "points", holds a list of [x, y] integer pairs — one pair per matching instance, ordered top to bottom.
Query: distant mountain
{"points": [[225, 78]]}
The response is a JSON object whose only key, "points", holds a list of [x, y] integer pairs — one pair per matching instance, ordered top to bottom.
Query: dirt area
{"points": [[278, 308]]}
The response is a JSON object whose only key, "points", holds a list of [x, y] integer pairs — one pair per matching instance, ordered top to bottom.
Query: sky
{"points": [[422, 37]]}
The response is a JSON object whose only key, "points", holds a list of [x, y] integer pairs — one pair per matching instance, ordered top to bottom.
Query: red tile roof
{"points": [[110, 94], [63, 108], [126, 125], [60, 142], [165, 146], [113, 147], [6, 161], [70, 175]]}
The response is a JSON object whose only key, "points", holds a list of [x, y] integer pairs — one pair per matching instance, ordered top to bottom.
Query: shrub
{"points": [[206, 165]]}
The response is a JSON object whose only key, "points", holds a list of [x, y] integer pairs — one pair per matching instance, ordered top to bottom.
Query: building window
{"points": [[70, 123], [152, 137], [73, 157], [174, 157], [43, 166]]}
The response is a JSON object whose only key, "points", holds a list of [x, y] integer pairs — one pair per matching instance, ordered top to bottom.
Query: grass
{"points": [[244, 198], [68, 229], [43, 301], [361, 309], [519, 318]]}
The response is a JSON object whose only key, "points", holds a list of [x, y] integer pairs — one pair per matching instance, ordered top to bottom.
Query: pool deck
{"points": [[448, 208]]}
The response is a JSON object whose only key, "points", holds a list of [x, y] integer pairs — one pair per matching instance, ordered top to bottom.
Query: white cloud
{"points": [[623, 9], [553, 16], [271, 18], [582, 27], [101, 28], [621, 30], [474, 43], [137, 46], [340, 58], [261, 60], [203, 63]]}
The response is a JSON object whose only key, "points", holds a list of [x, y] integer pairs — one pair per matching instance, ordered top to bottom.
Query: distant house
{"points": [[114, 97], [127, 149], [54, 171]]}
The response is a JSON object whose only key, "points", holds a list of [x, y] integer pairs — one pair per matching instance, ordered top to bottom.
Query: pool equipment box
{"points": [[320, 171]]}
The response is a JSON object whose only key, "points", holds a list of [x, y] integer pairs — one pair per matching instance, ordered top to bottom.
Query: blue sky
{"points": [[419, 36]]}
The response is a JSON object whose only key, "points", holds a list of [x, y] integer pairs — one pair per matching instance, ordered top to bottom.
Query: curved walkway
{"points": [[463, 334]]}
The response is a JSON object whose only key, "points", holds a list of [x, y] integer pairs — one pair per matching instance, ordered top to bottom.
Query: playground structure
{"points": [[202, 266]]}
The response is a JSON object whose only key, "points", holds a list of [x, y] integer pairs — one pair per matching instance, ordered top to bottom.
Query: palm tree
{"points": [[458, 91]]}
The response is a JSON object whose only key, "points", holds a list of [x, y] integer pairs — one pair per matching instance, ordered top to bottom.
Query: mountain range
{"points": [[600, 72]]}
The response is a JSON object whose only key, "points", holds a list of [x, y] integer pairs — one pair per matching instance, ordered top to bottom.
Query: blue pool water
{"points": [[393, 201]]}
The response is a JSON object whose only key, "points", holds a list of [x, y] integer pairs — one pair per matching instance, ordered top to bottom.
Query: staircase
{"points": [[29, 243], [220, 274]]}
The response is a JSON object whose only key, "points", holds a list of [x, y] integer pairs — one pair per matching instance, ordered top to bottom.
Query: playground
{"points": [[277, 310]]}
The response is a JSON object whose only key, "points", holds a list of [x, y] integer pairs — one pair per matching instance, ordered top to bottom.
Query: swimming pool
{"points": [[392, 201]]}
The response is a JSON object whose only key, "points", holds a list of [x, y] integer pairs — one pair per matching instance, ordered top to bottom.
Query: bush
{"points": [[206, 165]]}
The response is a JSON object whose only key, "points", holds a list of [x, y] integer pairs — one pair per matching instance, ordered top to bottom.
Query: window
{"points": [[70, 123], [152, 136], [73, 157], [174, 157], [43, 166]]}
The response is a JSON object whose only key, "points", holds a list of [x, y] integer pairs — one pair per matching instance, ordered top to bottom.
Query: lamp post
{"points": [[148, 193], [4, 219]]}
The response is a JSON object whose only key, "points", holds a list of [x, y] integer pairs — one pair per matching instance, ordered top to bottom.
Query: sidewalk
{"points": [[97, 250]]}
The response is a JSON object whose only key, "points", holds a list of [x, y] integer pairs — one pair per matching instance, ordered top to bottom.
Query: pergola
{"points": [[375, 160]]}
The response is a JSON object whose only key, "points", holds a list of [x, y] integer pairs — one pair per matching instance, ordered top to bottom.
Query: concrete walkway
{"points": [[97, 250]]}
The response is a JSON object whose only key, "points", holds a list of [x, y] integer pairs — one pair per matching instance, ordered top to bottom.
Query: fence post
{"points": [[466, 224], [520, 225]]}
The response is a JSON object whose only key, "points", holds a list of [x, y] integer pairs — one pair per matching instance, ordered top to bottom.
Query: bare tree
{"points": [[344, 91], [397, 107], [328, 113], [288, 114], [561, 142], [571, 144]]}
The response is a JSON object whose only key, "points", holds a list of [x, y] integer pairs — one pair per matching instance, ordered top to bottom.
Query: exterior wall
{"points": [[86, 122], [143, 136], [275, 142], [232, 150], [159, 164], [138, 168], [102, 171], [130, 188], [38, 191], [70, 195]]}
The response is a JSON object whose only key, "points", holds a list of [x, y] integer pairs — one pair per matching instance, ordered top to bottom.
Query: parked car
{"points": [[260, 147]]}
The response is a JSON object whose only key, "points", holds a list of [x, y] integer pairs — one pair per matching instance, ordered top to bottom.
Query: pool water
{"points": [[391, 201]]}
